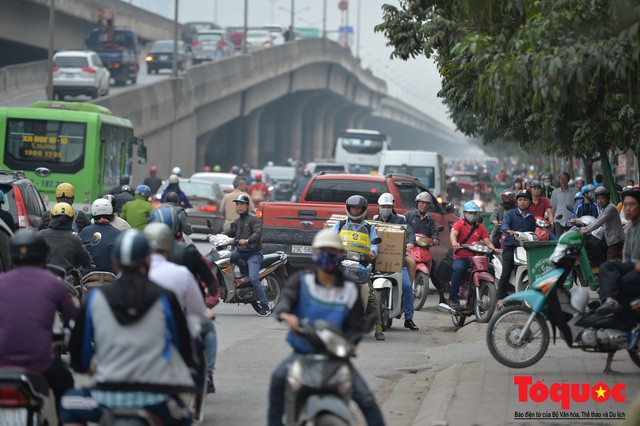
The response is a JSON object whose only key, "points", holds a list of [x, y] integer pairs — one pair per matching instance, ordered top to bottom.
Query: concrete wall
{"points": [[22, 78]]}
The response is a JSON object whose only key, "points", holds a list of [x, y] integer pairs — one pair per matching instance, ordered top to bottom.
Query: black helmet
{"points": [[124, 179], [536, 184], [127, 188], [602, 191], [525, 193], [508, 196], [172, 197], [242, 198], [112, 200], [356, 201], [28, 246], [130, 248]]}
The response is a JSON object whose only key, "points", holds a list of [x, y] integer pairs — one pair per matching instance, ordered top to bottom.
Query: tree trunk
{"points": [[588, 169], [608, 178]]}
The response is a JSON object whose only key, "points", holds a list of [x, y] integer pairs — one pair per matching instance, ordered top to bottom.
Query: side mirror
{"points": [[142, 153], [448, 207], [376, 240]]}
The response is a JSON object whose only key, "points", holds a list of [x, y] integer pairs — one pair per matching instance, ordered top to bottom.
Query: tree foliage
{"points": [[561, 75]]}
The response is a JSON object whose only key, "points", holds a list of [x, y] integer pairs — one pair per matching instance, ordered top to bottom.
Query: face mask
{"points": [[547, 184], [385, 212], [470, 217], [326, 261]]}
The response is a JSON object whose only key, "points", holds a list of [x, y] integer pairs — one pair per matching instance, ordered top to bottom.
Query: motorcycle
{"points": [[543, 228], [421, 254], [353, 269], [519, 276], [73, 279], [97, 279], [235, 284], [388, 289], [477, 291], [518, 336], [318, 385], [25, 398]]}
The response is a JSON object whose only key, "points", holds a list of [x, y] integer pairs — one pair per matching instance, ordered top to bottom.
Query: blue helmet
{"points": [[588, 187], [143, 190], [1, 197], [470, 206], [166, 215], [130, 248]]}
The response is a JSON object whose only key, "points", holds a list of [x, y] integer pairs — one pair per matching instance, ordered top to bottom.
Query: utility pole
{"points": [[215, 11], [293, 16], [324, 19], [52, 24], [246, 25], [358, 32], [174, 64]]}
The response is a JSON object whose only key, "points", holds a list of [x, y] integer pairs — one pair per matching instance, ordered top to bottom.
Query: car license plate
{"points": [[163, 57], [301, 249], [13, 417]]}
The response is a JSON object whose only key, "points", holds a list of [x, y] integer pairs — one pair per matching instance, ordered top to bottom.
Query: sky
{"points": [[415, 81]]}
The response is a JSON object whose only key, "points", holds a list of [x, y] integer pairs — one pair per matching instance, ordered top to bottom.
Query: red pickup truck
{"points": [[290, 227]]}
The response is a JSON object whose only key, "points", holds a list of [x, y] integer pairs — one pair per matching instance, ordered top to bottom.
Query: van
{"points": [[426, 166]]}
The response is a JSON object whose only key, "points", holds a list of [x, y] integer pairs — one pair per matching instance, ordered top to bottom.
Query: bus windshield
{"points": [[57, 144], [363, 144], [360, 149]]}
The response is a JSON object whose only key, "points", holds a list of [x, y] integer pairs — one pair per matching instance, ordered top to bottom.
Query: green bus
{"points": [[79, 143]]}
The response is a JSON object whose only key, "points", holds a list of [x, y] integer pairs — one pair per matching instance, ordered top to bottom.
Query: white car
{"points": [[257, 39], [79, 72]]}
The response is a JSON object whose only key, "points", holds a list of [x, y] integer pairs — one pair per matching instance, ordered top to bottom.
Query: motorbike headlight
{"points": [[541, 223], [422, 241], [481, 249], [335, 343], [294, 376], [341, 381]]}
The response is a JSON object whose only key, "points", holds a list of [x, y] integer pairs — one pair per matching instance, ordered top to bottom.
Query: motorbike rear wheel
{"points": [[420, 290], [382, 295], [484, 306], [504, 331], [329, 419]]}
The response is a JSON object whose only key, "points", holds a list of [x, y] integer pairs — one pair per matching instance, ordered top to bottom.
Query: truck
{"points": [[117, 47], [427, 166], [290, 227]]}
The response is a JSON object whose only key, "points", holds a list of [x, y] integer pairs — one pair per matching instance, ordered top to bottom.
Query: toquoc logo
{"points": [[564, 393]]}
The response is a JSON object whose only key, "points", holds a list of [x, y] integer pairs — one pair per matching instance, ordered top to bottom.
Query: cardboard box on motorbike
{"points": [[391, 251]]}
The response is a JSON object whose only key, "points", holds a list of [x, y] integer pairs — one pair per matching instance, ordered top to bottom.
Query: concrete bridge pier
{"points": [[296, 118], [251, 140]]}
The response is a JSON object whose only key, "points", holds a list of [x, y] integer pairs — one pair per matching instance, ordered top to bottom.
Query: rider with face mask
{"points": [[387, 215], [462, 258], [321, 294]]}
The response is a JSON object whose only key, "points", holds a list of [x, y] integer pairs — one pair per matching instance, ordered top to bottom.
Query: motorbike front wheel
{"points": [[420, 290], [382, 296], [484, 306], [457, 319], [505, 330], [328, 419]]}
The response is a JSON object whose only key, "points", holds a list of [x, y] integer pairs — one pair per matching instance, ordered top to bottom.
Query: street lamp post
{"points": [[293, 15], [324, 19], [52, 24], [246, 25], [358, 32], [174, 63]]}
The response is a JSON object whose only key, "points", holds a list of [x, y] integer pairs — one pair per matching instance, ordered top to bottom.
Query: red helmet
{"points": [[153, 169], [206, 169], [258, 176], [508, 196]]}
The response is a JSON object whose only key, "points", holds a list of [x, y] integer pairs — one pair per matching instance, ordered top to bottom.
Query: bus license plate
{"points": [[163, 57], [301, 249], [13, 416]]}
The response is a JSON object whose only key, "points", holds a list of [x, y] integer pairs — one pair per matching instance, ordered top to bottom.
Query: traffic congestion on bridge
{"points": [[310, 212]]}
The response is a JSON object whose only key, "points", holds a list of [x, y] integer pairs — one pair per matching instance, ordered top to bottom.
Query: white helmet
{"points": [[176, 171], [174, 178], [454, 179], [425, 197], [385, 199], [101, 207], [159, 236], [326, 238]]}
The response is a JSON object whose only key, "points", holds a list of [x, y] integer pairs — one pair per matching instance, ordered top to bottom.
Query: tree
{"points": [[559, 75]]}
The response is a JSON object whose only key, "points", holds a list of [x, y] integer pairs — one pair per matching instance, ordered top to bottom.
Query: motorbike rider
{"points": [[176, 171], [124, 180], [153, 181], [301, 183], [579, 183], [548, 185], [174, 186], [258, 190], [454, 192], [65, 193], [126, 194], [508, 198], [561, 198], [578, 202], [540, 205], [227, 207], [588, 207], [102, 212], [137, 212], [388, 215], [6, 216], [609, 219], [515, 220], [116, 221], [422, 223], [183, 226], [247, 232], [357, 235], [67, 250], [462, 258], [179, 280], [619, 282], [334, 299], [26, 334], [141, 342]]}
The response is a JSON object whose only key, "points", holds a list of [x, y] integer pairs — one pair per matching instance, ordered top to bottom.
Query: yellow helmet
{"points": [[65, 190], [62, 209]]}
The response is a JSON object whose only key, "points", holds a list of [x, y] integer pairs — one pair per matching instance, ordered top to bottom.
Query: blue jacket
{"points": [[514, 221], [101, 252]]}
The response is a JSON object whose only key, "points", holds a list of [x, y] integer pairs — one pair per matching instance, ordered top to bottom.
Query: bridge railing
{"points": [[15, 79]]}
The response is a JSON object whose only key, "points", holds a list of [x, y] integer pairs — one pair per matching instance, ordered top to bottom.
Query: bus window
{"points": [[114, 138], [58, 145]]}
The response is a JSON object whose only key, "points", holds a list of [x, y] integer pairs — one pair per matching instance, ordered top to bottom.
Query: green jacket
{"points": [[137, 212]]}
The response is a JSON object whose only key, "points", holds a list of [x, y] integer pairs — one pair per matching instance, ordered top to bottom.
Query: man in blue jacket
{"points": [[514, 221]]}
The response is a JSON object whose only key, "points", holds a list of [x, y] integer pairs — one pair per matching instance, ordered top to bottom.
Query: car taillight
{"points": [[196, 43], [56, 69], [90, 70], [156, 204], [211, 207], [259, 213], [23, 219], [11, 396]]}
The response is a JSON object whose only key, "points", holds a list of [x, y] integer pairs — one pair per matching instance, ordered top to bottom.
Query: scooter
{"points": [[543, 228], [421, 254], [353, 269], [519, 276], [235, 284], [477, 291], [518, 336], [318, 385], [25, 398]]}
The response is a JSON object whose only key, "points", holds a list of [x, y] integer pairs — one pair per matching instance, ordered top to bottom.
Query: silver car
{"points": [[211, 45], [79, 72]]}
